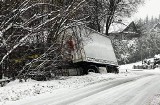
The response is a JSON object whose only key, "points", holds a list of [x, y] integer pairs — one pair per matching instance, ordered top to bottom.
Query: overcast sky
{"points": [[150, 8]]}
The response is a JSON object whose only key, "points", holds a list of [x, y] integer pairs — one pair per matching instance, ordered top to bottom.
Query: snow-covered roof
{"points": [[116, 28], [121, 28], [131, 28], [157, 56]]}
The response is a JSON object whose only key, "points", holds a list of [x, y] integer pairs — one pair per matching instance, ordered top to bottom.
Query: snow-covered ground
{"points": [[26, 90], [16, 91]]}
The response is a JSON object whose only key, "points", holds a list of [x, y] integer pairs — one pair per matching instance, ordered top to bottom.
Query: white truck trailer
{"points": [[95, 51]]}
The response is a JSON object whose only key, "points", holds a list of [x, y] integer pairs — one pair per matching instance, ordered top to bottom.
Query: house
{"points": [[127, 33]]}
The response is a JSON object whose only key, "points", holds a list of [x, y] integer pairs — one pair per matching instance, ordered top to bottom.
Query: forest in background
{"points": [[143, 47]]}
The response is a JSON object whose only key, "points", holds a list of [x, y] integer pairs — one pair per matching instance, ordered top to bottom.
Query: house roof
{"points": [[116, 28], [156, 28], [131, 29], [129, 32]]}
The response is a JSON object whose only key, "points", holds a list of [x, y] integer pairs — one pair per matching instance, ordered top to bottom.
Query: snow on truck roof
{"points": [[82, 26], [96, 31]]}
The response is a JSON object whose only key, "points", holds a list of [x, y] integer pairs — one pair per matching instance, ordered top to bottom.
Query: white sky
{"points": [[150, 8]]}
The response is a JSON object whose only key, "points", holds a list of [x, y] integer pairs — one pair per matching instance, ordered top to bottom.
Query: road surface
{"points": [[131, 91]]}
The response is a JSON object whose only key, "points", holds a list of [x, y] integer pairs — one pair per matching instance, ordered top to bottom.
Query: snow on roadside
{"points": [[129, 66], [16, 91], [156, 100]]}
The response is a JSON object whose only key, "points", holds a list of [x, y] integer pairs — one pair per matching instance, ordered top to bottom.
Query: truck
{"points": [[95, 51]]}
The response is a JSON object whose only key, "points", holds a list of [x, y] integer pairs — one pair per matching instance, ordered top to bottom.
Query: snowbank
{"points": [[128, 66]]}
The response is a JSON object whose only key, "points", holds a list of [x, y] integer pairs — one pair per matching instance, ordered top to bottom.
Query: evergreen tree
{"points": [[159, 18], [147, 20]]}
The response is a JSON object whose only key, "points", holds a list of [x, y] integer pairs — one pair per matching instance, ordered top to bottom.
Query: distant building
{"points": [[126, 34]]}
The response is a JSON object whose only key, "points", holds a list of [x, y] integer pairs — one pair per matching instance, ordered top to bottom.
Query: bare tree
{"points": [[105, 12], [26, 24]]}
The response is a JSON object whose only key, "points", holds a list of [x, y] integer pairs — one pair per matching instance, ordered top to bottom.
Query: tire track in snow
{"points": [[123, 94]]}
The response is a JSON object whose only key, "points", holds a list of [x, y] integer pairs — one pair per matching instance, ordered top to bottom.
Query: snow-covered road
{"points": [[128, 91], [136, 92]]}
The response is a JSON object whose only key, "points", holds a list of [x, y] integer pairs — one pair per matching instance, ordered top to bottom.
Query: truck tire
{"points": [[93, 68], [109, 69], [112, 69], [116, 70]]}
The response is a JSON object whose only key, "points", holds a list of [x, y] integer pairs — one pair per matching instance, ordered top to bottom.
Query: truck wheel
{"points": [[108, 68], [93, 69], [112, 69], [115, 70]]}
